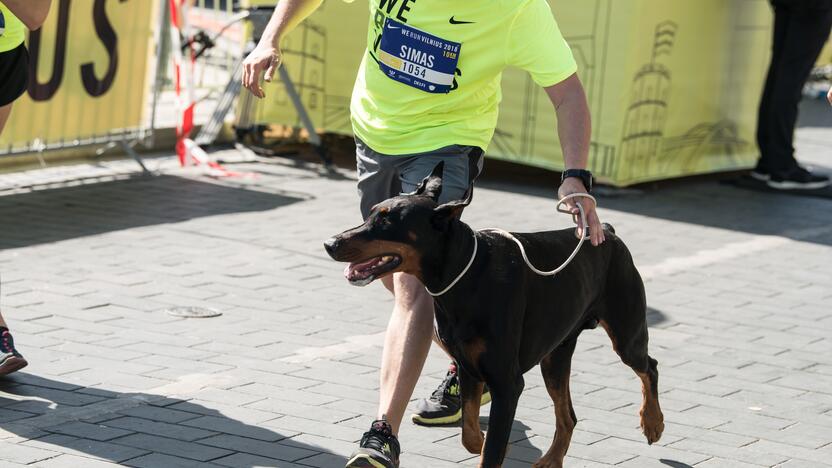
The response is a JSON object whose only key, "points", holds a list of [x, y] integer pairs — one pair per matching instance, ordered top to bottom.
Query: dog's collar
{"points": [[461, 274]]}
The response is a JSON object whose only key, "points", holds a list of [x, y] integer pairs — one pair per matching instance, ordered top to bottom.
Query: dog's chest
{"points": [[461, 341]]}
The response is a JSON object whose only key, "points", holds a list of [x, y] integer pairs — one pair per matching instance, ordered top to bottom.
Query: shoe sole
{"points": [[760, 177], [786, 185], [12, 364], [446, 420], [364, 461]]}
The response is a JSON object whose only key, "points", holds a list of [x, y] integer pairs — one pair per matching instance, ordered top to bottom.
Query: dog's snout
{"points": [[331, 245]]}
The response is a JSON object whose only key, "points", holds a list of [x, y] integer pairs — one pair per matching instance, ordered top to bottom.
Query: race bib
{"points": [[416, 58]]}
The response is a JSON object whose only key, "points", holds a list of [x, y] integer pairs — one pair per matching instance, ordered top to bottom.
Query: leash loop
{"points": [[561, 208]]}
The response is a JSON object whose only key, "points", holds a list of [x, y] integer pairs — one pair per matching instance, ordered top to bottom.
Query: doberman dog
{"points": [[500, 319]]}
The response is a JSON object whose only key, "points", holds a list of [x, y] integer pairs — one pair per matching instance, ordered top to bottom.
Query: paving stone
{"points": [[154, 413], [230, 426], [89, 431], [172, 431], [85, 447], [173, 447], [257, 447], [17, 453], [158, 460], [249, 460], [73, 461]]}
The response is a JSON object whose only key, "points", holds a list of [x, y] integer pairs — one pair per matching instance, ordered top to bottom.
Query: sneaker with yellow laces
{"points": [[444, 406], [379, 448]]}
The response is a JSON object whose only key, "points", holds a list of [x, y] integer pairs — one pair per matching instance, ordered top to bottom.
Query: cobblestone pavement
{"points": [[739, 285]]}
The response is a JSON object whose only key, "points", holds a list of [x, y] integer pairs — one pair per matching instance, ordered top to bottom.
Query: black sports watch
{"points": [[583, 174]]}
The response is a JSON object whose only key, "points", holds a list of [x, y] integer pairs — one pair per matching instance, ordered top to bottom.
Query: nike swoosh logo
{"points": [[455, 21], [390, 26]]}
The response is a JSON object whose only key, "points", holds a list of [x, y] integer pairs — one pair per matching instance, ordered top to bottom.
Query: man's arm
{"points": [[31, 12], [266, 56], [829, 96], [574, 129]]}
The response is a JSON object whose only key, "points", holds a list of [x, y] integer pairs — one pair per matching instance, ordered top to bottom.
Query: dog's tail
{"points": [[608, 227]]}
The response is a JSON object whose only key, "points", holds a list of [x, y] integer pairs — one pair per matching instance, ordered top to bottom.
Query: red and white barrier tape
{"points": [[187, 149]]}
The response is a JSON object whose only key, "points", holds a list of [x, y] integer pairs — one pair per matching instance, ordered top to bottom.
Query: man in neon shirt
{"points": [[15, 16], [428, 90]]}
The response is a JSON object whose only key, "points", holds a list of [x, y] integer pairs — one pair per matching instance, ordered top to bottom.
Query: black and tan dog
{"points": [[500, 319]]}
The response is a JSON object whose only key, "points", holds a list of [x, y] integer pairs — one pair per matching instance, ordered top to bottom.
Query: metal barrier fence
{"points": [[86, 65], [102, 79], [112, 83]]}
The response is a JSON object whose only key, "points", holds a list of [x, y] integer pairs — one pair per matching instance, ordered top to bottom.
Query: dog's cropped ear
{"points": [[431, 186], [445, 213]]}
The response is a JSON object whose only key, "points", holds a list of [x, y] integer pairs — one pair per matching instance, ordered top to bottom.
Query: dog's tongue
{"points": [[353, 268]]}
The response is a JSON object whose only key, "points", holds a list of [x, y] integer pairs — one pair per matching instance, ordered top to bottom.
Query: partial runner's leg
{"points": [[10, 359]]}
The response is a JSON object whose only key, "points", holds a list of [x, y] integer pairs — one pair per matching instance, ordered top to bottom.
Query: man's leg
{"points": [[804, 34], [767, 114], [406, 347], [10, 359]]}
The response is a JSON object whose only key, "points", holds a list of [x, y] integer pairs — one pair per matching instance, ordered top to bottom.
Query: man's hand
{"points": [[262, 58], [829, 96], [573, 185]]}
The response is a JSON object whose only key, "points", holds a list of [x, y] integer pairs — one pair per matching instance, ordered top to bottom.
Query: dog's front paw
{"points": [[652, 425], [473, 441], [548, 462]]}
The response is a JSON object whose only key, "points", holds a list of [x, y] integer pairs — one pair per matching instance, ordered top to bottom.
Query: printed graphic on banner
{"points": [[416, 58], [88, 74], [666, 100]]}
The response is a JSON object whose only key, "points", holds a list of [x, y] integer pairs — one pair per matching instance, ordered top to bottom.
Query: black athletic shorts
{"points": [[14, 74]]}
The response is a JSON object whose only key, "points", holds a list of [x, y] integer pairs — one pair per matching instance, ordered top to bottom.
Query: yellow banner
{"points": [[89, 64], [673, 86]]}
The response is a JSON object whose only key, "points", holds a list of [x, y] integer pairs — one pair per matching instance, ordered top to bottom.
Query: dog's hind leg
{"points": [[624, 317], [628, 331], [555, 368], [470, 392]]}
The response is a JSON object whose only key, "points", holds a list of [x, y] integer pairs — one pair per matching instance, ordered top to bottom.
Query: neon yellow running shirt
{"points": [[11, 30], [443, 61]]}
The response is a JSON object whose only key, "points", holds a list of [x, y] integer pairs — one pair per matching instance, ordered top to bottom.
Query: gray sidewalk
{"points": [[739, 285]]}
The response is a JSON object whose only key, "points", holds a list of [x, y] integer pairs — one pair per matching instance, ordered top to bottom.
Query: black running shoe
{"points": [[761, 174], [797, 178], [10, 359], [444, 406], [379, 448]]}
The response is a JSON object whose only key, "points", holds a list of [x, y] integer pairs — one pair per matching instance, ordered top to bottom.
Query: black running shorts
{"points": [[14, 74]]}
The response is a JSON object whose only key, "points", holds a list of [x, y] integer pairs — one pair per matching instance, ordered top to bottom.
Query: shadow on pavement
{"points": [[703, 203], [51, 215], [655, 317], [137, 429], [519, 448], [674, 464]]}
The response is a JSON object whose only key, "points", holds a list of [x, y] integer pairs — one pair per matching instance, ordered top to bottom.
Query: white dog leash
{"points": [[561, 208]]}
